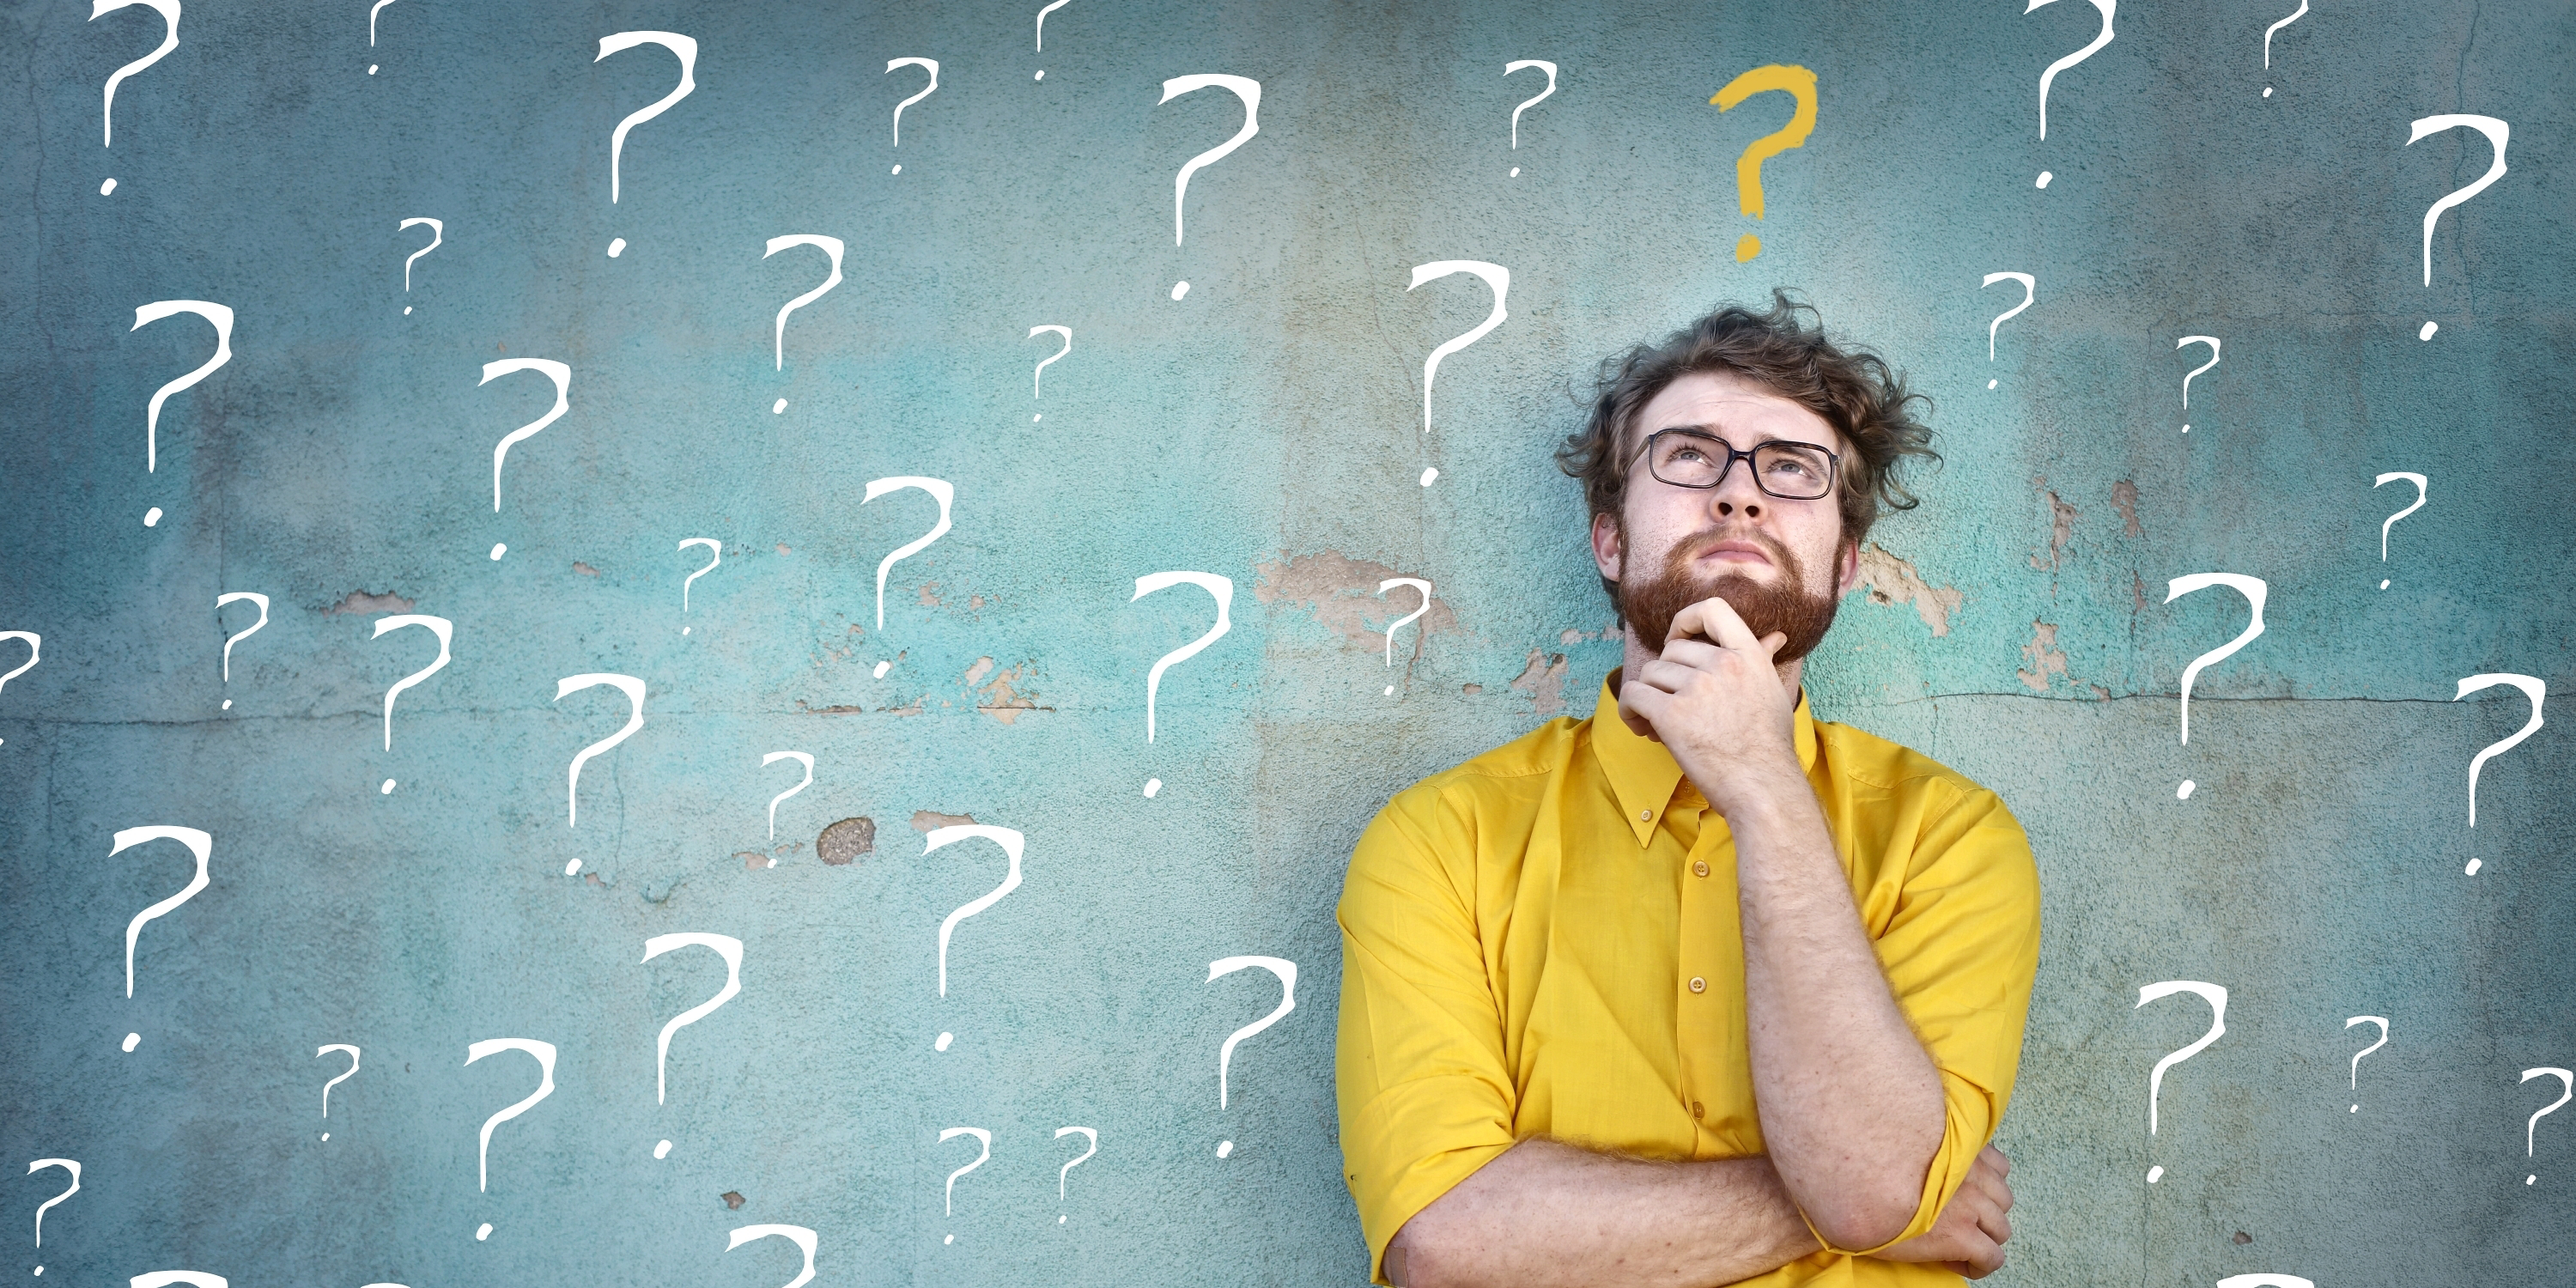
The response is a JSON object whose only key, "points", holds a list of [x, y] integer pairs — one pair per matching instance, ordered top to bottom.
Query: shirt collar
{"points": [[1643, 774]]}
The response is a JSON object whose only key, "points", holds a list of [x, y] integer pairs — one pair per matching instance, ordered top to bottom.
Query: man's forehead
{"points": [[1724, 400]]}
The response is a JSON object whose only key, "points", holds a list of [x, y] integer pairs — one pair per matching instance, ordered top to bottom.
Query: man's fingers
{"points": [[1717, 620], [1639, 704], [1995, 1224]]}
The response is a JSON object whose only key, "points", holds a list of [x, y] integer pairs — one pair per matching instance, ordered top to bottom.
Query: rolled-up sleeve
{"points": [[1960, 952], [1425, 1092]]}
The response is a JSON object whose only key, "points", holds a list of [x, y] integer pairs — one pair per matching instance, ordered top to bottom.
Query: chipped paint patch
{"points": [[2124, 498], [2061, 526], [584, 569], [1891, 581], [930, 593], [1342, 594], [360, 603], [2046, 659], [1544, 680], [1002, 699], [932, 820]]}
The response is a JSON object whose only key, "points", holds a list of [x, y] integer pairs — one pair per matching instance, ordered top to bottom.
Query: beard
{"points": [[1784, 605]]}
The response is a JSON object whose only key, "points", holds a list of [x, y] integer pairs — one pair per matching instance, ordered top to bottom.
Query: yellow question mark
{"points": [[1748, 167]]}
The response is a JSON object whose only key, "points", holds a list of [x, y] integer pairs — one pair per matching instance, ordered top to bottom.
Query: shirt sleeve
{"points": [[1959, 952], [1425, 1094]]}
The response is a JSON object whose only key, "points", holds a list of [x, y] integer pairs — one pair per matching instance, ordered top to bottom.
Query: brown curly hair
{"points": [[1785, 348]]}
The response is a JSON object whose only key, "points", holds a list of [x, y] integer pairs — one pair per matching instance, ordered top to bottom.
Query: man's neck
{"points": [[1634, 657]]}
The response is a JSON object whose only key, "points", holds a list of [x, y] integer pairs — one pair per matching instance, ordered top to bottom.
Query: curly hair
{"points": [[1786, 349]]}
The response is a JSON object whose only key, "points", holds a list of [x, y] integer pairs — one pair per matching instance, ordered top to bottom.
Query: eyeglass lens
{"points": [[1790, 471]]}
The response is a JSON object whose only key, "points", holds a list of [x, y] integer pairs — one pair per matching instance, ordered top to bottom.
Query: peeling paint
{"points": [[2124, 498], [2061, 526], [584, 569], [1890, 581], [930, 594], [1342, 594], [360, 603], [2046, 659], [1544, 680], [1471, 690], [932, 820], [846, 840], [732, 1199]]}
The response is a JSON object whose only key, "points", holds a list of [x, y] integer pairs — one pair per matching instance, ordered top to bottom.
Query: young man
{"points": [[1700, 990]]}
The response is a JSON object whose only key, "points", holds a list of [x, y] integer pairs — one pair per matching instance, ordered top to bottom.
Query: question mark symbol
{"points": [[2107, 7], [378, 8], [169, 11], [2302, 12], [1042, 13], [687, 49], [926, 65], [1524, 65], [1797, 81], [1242, 87], [2497, 133], [437, 230], [828, 245], [1495, 276], [2029, 292], [222, 318], [2213, 343], [558, 372], [1035, 380], [941, 491], [2391, 521], [715, 555], [1220, 587], [2254, 590], [258, 601], [1392, 627], [445, 631], [35, 653], [2532, 688], [634, 690], [803, 758], [1012, 844], [201, 845], [725, 946], [1287, 972], [2213, 994], [2382, 1022], [545, 1056], [344, 1077], [2566, 1091], [1091, 1134], [983, 1138], [75, 1169], [804, 1239], [2266, 1280]]}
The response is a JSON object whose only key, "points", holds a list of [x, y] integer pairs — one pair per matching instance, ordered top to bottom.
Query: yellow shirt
{"points": [[1520, 936]]}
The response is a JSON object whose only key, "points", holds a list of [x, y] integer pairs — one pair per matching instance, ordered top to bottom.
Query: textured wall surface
{"points": [[1266, 428]]}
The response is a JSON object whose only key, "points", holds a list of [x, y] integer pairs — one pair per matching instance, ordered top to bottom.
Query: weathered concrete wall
{"points": [[1266, 428]]}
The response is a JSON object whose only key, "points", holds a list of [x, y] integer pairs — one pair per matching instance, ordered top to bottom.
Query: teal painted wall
{"points": [[1266, 428]]}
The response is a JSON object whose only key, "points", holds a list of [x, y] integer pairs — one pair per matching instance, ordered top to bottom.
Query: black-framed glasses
{"points": [[1787, 470]]}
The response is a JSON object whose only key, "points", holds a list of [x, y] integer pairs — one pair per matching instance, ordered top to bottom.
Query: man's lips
{"points": [[1736, 552]]}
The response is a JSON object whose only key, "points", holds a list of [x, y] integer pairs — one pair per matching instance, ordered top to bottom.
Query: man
{"points": [[1700, 990]]}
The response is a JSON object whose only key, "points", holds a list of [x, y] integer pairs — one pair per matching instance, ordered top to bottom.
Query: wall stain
{"points": [[2124, 498], [2061, 526], [1890, 581], [1342, 594], [360, 603], [2046, 658], [1544, 680], [1002, 698], [932, 820]]}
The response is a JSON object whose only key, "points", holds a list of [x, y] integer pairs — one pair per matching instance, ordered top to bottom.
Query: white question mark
{"points": [[2107, 7], [378, 8], [169, 11], [1042, 13], [2267, 39], [687, 49], [929, 65], [1523, 65], [1242, 87], [2497, 133], [437, 230], [828, 245], [1495, 276], [2029, 292], [222, 318], [2213, 343], [558, 372], [1038, 378], [941, 491], [2391, 521], [715, 555], [1220, 587], [2254, 590], [257, 600], [438, 626], [1392, 627], [35, 653], [2532, 688], [634, 690], [773, 758], [1012, 844], [202, 846], [725, 946], [1287, 972], [2213, 994], [2382, 1022], [545, 1056], [344, 1077], [2566, 1091], [1089, 1133], [983, 1138], [69, 1165], [804, 1239], [165, 1278], [2266, 1280]]}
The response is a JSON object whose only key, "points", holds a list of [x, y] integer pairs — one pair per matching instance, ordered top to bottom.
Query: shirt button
{"points": [[1645, 814], [1700, 869], [1698, 985], [1698, 1110]]}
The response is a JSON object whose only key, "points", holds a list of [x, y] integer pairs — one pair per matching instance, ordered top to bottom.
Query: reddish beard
{"points": [[1784, 605]]}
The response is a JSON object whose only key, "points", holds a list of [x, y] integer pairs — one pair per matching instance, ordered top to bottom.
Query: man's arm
{"points": [[1851, 1105], [1551, 1215]]}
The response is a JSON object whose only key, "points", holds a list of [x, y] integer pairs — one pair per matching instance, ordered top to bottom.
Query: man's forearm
{"points": [[1851, 1104], [1550, 1215]]}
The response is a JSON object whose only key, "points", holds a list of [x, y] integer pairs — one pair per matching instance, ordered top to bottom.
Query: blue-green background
{"points": [[1270, 418]]}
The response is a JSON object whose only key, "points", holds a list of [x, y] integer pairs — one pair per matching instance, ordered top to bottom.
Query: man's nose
{"points": [[1737, 494]]}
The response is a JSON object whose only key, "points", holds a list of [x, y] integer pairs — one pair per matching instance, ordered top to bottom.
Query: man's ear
{"points": [[1607, 549], [1849, 574]]}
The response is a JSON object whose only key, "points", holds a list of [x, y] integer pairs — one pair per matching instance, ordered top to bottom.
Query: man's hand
{"points": [[1718, 707], [1968, 1237]]}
